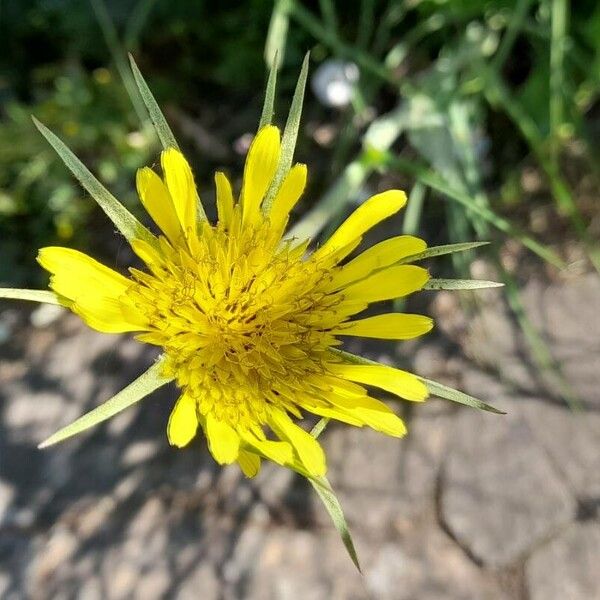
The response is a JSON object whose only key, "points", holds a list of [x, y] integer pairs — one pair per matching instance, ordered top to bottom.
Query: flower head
{"points": [[248, 320]]}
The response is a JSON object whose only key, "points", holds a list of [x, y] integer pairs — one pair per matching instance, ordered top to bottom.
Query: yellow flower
{"points": [[248, 320]]}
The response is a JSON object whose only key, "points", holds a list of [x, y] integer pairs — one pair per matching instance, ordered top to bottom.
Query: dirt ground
{"points": [[469, 506]]}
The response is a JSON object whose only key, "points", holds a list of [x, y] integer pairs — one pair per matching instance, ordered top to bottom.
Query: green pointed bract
{"points": [[268, 107], [163, 131], [165, 135], [290, 135], [123, 220], [441, 250], [460, 284], [43, 296], [435, 388], [137, 390], [448, 393], [319, 428], [331, 503], [334, 508]]}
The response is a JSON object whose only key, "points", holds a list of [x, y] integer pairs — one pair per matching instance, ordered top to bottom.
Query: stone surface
{"points": [[567, 313], [495, 342], [572, 441], [501, 495], [467, 506], [425, 563], [567, 567]]}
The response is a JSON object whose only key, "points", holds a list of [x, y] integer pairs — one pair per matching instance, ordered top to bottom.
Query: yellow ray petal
{"points": [[261, 164], [180, 183], [288, 195], [224, 198], [158, 203], [371, 212], [150, 255], [377, 257], [393, 282], [94, 292], [392, 326], [403, 384], [332, 412], [373, 413], [183, 422], [223, 440], [309, 450], [279, 452], [249, 463]]}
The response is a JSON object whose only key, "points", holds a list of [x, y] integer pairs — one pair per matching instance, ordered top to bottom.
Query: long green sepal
{"points": [[268, 106], [163, 131], [165, 135], [290, 135], [123, 220], [441, 250], [460, 284], [44, 296], [435, 388], [134, 392], [448, 393], [319, 428], [332, 504], [334, 508]]}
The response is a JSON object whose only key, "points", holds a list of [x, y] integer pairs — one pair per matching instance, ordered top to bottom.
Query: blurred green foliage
{"points": [[57, 61], [467, 91], [489, 109], [40, 203]]}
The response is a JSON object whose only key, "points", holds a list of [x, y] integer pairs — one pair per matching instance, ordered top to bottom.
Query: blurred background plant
{"points": [[487, 111]]}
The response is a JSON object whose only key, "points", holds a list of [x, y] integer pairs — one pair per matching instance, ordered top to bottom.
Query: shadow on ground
{"points": [[469, 505]]}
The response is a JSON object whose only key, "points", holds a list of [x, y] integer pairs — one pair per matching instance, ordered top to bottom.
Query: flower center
{"points": [[237, 318]]}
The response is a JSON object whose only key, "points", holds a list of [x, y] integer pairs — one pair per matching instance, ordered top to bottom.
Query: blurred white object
{"points": [[334, 81], [242, 144], [45, 315]]}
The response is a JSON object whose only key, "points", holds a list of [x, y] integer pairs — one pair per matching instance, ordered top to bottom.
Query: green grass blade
{"points": [[329, 16], [138, 17], [366, 23], [514, 25], [109, 32], [277, 34], [329, 38], [558, 43], [498, 95], [268, 107], [165, 135], [290, 135], [379, 137], [429, 178], [332, 202], [414, 209], [123, 220], [441, 251], [460, 284], [44, 296], [134, 392], [448, 393], [334, 508]]}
